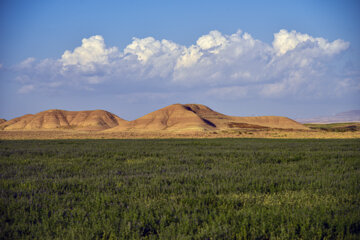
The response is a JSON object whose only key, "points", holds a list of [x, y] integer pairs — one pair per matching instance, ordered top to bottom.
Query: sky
{"points": [[299, 59]]}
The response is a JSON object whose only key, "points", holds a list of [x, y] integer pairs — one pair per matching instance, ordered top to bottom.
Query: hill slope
{"points": [[178, 117], [172, 118], [61, 119], [2, 120], [223, 121], [271, 122]]}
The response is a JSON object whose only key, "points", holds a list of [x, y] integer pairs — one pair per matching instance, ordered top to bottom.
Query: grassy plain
{"points": [[180, 189]]}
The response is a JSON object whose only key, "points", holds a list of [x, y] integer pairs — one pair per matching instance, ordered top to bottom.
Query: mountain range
{"points": [[176, 117]]}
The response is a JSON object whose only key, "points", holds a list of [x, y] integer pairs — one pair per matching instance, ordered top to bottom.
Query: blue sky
{"points": [[291, 58]]}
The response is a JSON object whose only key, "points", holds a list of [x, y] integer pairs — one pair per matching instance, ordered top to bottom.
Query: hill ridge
{"points": [[198, 117], [175, 118], [62, 119], [2, 120]]}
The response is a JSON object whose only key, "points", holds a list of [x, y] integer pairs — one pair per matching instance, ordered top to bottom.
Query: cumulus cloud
{"points": [[212, 41], [285, 41], [148, 48], [92, 52], [189, 57], [153, 58], [219, 59], [225, 66]]}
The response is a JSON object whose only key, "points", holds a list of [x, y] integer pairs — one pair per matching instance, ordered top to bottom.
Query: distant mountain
{"points": [[349, 116]]}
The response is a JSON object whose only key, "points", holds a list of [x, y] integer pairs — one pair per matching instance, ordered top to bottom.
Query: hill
{"points": [[197, 117], [172, 118], [61, 119], [2, 120], [224, 121], [271, 122]]}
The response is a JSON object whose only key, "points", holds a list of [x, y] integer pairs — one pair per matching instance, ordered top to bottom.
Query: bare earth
{"points": [[62, 119], [174, 121]]}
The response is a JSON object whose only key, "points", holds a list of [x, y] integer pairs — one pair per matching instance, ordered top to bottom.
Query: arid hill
{"points": [[176, 117], [197, 117], [61, 119], [2, 120], [222, 121], [271, 122], [17, 123]]}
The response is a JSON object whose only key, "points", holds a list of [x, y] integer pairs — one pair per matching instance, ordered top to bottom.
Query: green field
{"points": [[180, 189]]}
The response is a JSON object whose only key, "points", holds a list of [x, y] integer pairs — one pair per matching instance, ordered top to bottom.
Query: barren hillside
{"points": [[198, 117], [172, 118], [61, 119], [222, 121]]}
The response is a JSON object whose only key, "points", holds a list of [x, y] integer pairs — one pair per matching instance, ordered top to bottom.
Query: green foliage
{"points": [[180, 189]]}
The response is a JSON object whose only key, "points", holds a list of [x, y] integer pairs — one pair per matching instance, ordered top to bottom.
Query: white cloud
{"points": [[212, 41], [285, 41], [143, 48], [148, 48], [92, 52], [188, 57], [149, 58], [222, 59], [27, 63], [294, 64], [26, 88]]}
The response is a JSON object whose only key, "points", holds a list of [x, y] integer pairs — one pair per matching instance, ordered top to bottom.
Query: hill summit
{"points": [[198, 117], [173, 118], [62, 119]]}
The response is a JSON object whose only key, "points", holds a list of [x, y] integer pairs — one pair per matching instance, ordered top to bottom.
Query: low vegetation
{"points": [[335, 127], [180, 189]]}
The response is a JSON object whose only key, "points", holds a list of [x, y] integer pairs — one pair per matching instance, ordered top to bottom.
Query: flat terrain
{"points": [[229, 133], [180, 189]]}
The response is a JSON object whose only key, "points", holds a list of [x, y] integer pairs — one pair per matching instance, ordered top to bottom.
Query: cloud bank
{"points": [[224, 66]]}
